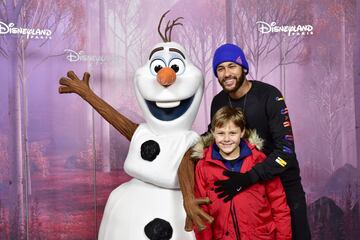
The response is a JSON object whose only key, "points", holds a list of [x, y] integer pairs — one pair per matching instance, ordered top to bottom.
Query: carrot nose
{"points": [[166, 76]]}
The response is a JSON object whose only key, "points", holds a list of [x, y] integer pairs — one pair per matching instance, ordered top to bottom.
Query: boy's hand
{"points": [[230, 187]]}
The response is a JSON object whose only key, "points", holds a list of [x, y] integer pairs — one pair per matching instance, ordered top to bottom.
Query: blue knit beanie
{"points": [[230, 53]]}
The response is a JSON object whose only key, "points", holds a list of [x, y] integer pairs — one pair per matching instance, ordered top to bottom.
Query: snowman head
{"points": [[169, 87]]}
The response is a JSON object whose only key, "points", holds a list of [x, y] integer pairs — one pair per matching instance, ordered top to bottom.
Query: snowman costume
{"points": [[168, 89]]}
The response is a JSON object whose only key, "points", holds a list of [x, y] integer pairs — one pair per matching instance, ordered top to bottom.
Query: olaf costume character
{"points": [[168, 89], [169, 107]]}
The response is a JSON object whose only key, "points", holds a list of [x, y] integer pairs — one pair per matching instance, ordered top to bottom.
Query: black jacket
{"points": [[266, 112]]}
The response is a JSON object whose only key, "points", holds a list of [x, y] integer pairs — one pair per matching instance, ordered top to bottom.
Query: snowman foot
{"points": [[158, 229]]}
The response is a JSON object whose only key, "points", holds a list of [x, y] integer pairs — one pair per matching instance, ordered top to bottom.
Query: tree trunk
{"points": [[229, 21], [281, 67], [203, 70], [213, 78], [357, 83], [104, 126], [345, 136], [15, 144], [25, 149]]}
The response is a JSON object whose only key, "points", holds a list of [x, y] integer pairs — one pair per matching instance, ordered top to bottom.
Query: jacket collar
{"points": [[254, 141]]}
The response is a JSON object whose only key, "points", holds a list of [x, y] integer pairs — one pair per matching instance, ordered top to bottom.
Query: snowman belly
{"points": [[162, 169], [134, 204]]}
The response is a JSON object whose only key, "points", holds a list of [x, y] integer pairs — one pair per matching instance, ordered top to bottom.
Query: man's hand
{"points": [[72, 84], [230, 187], [195, 214]]}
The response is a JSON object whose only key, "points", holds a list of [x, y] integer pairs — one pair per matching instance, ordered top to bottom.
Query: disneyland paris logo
{"points": [[291, 30], [29, 32], [74, 56]]}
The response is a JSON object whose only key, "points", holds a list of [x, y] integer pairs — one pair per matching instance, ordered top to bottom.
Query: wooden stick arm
{"points": [[72, 84], [121, 123]]}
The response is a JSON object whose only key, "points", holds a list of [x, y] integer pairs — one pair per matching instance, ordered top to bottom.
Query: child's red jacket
{"points": [[260, 212]]}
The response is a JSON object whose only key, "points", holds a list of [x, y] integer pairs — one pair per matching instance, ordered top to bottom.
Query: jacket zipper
{"points": [[235, 221]]}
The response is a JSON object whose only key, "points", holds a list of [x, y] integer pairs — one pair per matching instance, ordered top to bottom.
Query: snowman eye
{"points": [[156, 65], [177, 65]]}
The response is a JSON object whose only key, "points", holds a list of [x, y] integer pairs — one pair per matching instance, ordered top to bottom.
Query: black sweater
{"points": [[266, 112]]}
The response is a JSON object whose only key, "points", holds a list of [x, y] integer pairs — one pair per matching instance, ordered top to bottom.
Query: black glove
{"points": [[236, 183]]}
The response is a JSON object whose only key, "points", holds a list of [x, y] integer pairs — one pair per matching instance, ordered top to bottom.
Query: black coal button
{"points": [[149, 150], [158, 229]]}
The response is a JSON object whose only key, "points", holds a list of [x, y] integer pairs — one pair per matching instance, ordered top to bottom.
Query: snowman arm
{"points": [[72, 84], [121, 123], [194, 213]]}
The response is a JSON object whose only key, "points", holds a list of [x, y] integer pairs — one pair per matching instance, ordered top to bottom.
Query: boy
{"points": [[261, 211]]}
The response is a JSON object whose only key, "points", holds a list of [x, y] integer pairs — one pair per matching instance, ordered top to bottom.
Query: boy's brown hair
{"points": [[229, 114]]}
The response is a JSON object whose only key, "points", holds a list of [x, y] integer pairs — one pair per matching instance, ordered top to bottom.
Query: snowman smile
{"points": [[168, 111]]}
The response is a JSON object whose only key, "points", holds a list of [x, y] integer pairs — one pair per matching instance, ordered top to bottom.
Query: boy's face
{"points": [[227, 138]]}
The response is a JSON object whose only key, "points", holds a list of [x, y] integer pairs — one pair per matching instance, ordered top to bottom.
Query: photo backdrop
{"points": [[60, 160]]}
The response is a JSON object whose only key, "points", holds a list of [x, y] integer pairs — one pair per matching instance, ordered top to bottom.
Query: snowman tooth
{"points": [[168, 104]]}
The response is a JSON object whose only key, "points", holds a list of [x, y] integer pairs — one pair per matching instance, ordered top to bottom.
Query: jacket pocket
{"points": [[216, 203], [266, 232]]}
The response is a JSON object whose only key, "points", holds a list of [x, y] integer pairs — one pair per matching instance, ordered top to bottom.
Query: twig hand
{"points": [[72, 84], [196, 215]]}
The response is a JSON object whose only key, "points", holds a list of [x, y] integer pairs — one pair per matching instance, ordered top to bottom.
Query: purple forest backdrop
{"points": [[59, 160]]}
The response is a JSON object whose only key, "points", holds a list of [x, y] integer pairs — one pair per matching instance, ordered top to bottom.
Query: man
{"points": [[266, 112]]}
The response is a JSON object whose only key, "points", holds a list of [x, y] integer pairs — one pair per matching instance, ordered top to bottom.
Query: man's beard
{"points": [[239, 82]]}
